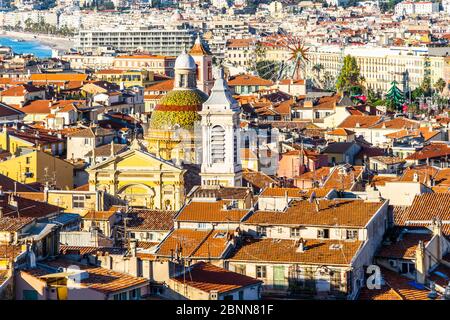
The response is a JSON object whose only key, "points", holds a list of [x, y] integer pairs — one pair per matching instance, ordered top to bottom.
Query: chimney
{"points": [[112, 148], [133, 246], [301, 246], [421, 268]]}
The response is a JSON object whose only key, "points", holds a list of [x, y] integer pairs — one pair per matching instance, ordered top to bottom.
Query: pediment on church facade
{"points": [[136, 159]]}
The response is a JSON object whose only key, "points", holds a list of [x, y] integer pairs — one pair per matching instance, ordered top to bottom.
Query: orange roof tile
{"points": [[207, 211], [342, 213], [320, 252], [208, 277]]}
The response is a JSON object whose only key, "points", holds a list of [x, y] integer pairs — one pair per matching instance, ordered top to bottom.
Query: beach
{"points": [[54, 42]]}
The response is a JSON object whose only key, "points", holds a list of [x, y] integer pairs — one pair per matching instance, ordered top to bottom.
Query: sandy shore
{"points": [[54, 42]]}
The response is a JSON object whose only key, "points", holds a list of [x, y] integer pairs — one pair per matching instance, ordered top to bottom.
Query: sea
{"points": [[27, 47]]}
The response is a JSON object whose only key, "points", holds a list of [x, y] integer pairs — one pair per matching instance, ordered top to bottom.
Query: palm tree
{"points": [[317, 68], [440, 85]]}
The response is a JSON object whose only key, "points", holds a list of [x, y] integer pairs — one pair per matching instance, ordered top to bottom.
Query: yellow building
{"points": [[128, 77], [33, 166], [140, 178]]}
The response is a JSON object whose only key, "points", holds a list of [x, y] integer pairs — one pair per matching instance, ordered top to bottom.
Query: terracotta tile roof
{"points": [[239, 43], [58, 77], [248, 80], [163, 86], [20, 90], [44, 106], [6, 111], [362, 121], [397, 123], [92, 132], [340, 132], [424, 132], [338, 147], [105, 150], [432, 150], [388, 160], [424, 172], [258, 179], [378, 180], [345, 182], [8, 184], [221, 193], [293, 193], [427, 206], [30, 208], [207, 211], [343, 213], [99, 215], [161, 220], [14, 224], [194, 243], [404, 247], [8, 251], [98, 251], [320, 252], [207, 277], [99, 279], [403, 286], [384, 293]]}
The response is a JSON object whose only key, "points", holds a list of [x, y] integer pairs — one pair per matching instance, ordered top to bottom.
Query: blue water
{"points": [[34, 47]]}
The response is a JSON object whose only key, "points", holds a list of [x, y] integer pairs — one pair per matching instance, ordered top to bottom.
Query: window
{"points": [[86, 141], [218, 144], [28, 160], [78, 201], [202, 225], [261, 231], [295, 232], [323, 233], [352, 234], [407, 267], [240, 268], [261, 271], [135, 294], [241, 295]]}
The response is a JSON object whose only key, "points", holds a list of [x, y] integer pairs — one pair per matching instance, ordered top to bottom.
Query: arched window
{"points": [[218, 144]]}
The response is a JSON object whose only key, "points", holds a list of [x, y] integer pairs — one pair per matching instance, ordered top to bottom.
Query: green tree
{"points": [[318, 68], [349, 80], [426, 85], [440, 85], [395, 97]]}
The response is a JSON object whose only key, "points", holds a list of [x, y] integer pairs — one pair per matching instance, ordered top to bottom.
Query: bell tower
{"points": [[203, 59], [221, 163]]}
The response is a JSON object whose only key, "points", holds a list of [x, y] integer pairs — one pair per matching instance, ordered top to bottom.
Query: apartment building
{"points": [[420, 7], [160, 41], [380, 66]]}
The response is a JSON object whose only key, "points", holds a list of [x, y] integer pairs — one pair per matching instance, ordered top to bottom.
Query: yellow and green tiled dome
{"points": [[178, 107]]}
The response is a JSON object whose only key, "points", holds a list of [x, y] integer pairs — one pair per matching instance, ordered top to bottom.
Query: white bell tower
{"points": [[221, 161]]}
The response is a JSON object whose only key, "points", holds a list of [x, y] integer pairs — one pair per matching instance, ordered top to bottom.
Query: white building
{"points": [[422, 7], [161, 41], [221, 163]]}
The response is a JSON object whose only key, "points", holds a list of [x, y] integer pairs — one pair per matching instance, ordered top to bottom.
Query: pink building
{"points": [[296, 162]]}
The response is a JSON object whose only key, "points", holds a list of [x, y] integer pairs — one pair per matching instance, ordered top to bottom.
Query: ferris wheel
{"points": [[289, 61]]}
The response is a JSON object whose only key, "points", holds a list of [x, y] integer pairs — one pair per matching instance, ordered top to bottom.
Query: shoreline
{"points": [[53, 42]]}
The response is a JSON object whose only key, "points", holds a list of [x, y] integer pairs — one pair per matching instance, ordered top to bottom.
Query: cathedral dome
{"points": [[185, 61], [178, 107]]}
